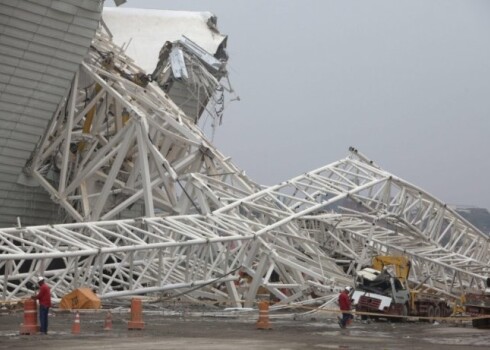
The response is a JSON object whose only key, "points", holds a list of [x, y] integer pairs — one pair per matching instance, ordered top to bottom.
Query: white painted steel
{"points": [[159, 209]]}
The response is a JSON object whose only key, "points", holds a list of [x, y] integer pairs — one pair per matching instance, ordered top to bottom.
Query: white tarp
{"points": [[148, 30]]}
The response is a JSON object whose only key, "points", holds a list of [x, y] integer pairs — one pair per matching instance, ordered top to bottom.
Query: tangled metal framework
{"points": [[120, 148], [159, 209], [288, 231]]}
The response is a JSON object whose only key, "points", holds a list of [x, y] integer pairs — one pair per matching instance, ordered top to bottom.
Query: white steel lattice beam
{"points": [[126, 151], [360, 186], [273, 220], [131, 256], [433, 266]]}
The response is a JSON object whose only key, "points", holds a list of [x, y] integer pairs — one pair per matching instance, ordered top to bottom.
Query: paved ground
{"points": [[203, 332]]}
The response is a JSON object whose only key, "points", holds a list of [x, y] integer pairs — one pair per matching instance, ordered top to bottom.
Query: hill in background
{"points": [[480, 217]]}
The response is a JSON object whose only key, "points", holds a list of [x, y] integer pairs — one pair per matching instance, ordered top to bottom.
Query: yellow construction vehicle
{"points": [[400, 264], [383, 289]]}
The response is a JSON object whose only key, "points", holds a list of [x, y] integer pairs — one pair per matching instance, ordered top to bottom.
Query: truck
{"points": [[386, 293], [478, 305]]}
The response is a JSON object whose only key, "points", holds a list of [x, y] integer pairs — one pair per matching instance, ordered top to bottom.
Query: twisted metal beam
{"points": [[121, 148], [360, 237]]}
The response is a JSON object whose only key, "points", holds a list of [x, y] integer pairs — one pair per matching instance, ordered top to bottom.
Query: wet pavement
{"points": [[215, 331]]}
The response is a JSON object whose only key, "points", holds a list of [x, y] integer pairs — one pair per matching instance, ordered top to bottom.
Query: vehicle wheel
{"points": [[445, 311], [437, 313], [404, 314], [430, 314], [364, 317], [477, 323], [482, 323]]}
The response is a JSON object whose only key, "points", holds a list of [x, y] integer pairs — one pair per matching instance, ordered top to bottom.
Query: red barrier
{"points": [[136, 315], [30, 318], [263, 321], [108, 322], [75, 327]]}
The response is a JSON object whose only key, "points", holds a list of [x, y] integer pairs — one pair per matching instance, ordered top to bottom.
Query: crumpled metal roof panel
{"points": [[147, 30], [42, 43]]}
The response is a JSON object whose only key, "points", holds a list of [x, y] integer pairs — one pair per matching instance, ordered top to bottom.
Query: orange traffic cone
{"points": [[136, 315], [30, 318], [263, 321], [108, 322], [75, 327]]}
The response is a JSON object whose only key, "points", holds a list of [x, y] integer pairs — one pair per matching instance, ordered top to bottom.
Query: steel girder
{"points": [[117, 144], [118, 147], [121, 148], [364, 187], [272, 219], [360, 237], [156, 254], [449, 254]]}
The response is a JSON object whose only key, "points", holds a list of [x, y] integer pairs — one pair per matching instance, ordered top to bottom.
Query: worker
{"points": [[44, 297], [345, 307]]}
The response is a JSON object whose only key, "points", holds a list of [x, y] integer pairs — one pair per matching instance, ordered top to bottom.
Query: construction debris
{"points": [[152, 207]]}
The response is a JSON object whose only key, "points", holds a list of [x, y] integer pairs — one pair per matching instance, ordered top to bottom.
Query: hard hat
{"points": [[40, 279], [348, 288]]}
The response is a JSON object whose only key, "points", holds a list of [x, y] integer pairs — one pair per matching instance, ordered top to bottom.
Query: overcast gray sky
{"points": [[405, 82]]}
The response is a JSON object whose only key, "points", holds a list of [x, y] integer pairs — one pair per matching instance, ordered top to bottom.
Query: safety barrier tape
{"points": [[446, 319]]}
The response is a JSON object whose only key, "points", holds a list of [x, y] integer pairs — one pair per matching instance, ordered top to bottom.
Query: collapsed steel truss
{"points": [[120, 148], [159, 209], [288, 229], [433, 267]]}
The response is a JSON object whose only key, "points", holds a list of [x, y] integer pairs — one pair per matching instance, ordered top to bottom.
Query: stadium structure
{"points": [[108, 180]]}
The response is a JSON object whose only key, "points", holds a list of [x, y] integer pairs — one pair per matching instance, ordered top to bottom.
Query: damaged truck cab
{"points": [[379, 292]]}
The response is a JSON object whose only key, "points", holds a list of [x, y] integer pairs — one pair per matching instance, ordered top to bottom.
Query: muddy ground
{"points": [[220, 330]]}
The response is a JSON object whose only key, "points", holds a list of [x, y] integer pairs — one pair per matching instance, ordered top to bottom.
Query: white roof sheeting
{"points": [[148, 30], [41, 46]]}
